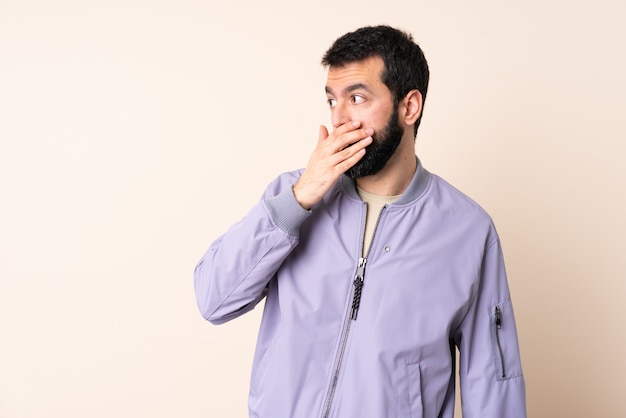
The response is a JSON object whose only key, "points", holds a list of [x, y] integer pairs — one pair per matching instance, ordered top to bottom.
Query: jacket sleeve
{"points": [[233, 274], [492, 384]]}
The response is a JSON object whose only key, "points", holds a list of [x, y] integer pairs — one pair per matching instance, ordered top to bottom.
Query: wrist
{"points": [[301, 198]]}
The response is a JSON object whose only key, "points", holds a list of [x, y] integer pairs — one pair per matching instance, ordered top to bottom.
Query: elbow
{"points": [[203, 294], [218, 303], [212, 307], [208, 311], [211, 316], [217, 316]]}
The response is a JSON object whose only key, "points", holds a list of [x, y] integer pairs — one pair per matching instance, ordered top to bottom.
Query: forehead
{"points": [[367, 72]]}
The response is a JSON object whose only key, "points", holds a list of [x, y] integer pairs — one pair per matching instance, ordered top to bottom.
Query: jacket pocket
{"points": [[504, 342], [414, 376]]}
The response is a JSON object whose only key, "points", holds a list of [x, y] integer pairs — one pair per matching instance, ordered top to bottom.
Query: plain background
{"points": [[133, 133]]}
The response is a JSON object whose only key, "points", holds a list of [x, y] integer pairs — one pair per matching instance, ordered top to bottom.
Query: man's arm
{"points": [[231, 277], [492, 384]]}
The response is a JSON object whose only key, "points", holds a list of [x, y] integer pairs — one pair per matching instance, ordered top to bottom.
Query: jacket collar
{"points": [[416, 188]]}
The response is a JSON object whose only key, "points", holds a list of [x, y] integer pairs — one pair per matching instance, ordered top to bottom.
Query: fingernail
{"points": [[355, 123], [369, 131]]}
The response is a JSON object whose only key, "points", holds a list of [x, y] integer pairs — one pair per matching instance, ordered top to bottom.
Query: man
{"points": [[373, 269]]}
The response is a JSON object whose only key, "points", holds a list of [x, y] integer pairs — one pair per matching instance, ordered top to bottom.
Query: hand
{"points": [[333, 156]]}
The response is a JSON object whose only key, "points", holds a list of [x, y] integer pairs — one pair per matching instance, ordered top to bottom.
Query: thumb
{"points": [[323, 133]]}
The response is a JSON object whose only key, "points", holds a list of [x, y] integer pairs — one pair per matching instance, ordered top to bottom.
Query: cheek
{"points": [[377, 118]]}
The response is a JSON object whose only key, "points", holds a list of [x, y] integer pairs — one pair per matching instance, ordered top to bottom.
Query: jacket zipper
{"points": [[360, 273], [358, 282], [358, 288], [356, 300], [498, 314], [333, 383]]}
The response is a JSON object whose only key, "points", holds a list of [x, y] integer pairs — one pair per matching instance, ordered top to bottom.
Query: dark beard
{"points": [[381, 149]]}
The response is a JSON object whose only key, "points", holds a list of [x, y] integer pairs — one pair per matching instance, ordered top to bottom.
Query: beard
{"points": [[382, 148]]}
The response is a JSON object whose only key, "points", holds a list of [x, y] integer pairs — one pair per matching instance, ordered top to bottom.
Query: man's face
{"points": [[355, 92]]}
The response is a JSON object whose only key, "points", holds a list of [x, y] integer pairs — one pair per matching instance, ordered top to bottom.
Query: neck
{"points": [[397, 174]]}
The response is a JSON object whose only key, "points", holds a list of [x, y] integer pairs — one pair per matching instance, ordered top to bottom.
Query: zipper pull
{"points": [[358, 287], [498, 317]]}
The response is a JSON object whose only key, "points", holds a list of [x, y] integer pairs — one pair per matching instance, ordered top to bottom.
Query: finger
{"points": [[346, 127], [323, 133], [351, 138], [350, 151], [348, 163]]}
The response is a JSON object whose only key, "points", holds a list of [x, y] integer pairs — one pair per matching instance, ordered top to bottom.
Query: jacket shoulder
{"points": [[457, 204]]}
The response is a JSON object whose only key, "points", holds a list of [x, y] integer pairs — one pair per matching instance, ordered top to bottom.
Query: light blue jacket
{"points": [[349, 337]]}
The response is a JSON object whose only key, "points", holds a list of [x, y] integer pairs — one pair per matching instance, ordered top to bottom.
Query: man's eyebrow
{"points": [[350, 88]]}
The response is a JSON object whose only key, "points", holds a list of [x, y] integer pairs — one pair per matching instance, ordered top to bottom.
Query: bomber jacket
{"points": [[348, 336]]}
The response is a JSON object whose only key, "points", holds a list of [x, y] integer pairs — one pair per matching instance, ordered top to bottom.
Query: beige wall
{"points": [[133, 132]]}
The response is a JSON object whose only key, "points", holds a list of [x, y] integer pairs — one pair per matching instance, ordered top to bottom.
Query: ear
{"points": [[411, 107]]}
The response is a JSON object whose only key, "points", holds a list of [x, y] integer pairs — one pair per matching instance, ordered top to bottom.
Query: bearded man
{"points": [[374, 270]]}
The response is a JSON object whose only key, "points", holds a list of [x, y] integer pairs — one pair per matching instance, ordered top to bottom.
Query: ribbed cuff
{"points": [[286, 212]]}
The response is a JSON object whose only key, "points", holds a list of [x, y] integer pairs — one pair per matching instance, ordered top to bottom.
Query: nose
{"points": [[340, 114]]}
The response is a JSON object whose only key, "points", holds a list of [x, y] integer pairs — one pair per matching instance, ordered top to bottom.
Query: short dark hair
{"points": [[406, 68]]}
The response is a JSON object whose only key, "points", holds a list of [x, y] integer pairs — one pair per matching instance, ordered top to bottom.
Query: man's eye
{"points": [[357, 99], [331, 102]]}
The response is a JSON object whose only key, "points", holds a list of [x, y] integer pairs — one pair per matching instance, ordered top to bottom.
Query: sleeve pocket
{"points": [[504, 342]]}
